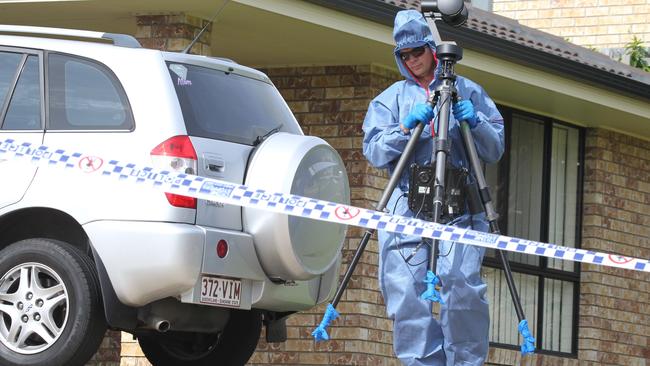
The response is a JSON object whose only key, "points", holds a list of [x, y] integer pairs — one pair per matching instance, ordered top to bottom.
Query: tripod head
{"points": [[452, 12]]}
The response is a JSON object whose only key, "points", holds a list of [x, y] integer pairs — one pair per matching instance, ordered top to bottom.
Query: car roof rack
{"points": [[122, 40]]}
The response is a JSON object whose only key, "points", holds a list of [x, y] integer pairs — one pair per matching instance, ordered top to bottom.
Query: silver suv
{"points": [[193, 280]]}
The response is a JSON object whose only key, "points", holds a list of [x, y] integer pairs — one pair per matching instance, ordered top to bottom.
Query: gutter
{"points": [[384, 13]]}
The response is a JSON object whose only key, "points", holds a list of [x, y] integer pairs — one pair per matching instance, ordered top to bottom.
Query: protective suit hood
{"points": [[411, 30]]}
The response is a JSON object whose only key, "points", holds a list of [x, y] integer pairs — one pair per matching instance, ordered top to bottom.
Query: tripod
{"points": [[448, 54]]}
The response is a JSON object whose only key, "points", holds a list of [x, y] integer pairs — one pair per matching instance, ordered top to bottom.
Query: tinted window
{"points": [[8, 65], [85, 96], [227, 106], [24, 111], [537, 186]]}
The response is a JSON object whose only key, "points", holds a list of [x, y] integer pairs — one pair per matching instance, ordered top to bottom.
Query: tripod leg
{"points": [[441, 151], [320, 333], [529, 342]]}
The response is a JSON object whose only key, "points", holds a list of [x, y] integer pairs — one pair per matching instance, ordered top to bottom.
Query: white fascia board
{"points": [[325, 17], [554, 83]]}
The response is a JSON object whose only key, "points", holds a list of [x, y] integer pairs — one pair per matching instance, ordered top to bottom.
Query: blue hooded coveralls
{"points": [[461, 336]]}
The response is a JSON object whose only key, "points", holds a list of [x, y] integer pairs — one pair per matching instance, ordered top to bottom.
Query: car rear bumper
{"points": [[149, 261]]}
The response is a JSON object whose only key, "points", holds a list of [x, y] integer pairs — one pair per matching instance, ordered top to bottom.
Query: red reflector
{"points": [[177, 200], [222, 248]]}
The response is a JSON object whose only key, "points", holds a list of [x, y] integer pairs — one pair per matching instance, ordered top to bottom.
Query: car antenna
{"points": [[189, 47]]}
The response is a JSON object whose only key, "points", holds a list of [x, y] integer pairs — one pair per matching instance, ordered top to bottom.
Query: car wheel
{"points": [[50, 306], [232, 347]]}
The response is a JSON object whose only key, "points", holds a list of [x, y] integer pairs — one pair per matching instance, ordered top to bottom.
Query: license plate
{"points": [[220, 291]]}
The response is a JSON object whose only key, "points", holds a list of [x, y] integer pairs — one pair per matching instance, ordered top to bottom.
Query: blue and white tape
{"points": [[240, 195]]}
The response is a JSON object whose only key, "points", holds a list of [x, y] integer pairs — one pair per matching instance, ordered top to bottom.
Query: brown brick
{"points": [[150, 19], [172, 31], [326, 81], [338, 93], [310, 94], [324, 106], [283, 358]]}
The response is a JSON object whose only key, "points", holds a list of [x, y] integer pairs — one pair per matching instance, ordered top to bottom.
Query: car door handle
{"points": [[215, 166]]}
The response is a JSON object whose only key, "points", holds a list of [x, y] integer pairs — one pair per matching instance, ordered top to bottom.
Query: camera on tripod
{"points": [[422, 184], [460, 195]]}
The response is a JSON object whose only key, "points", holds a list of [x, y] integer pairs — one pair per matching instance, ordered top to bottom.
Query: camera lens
{"points": [[424, 177]]}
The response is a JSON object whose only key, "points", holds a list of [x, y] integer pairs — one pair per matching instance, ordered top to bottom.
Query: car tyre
{"points": [[51, 313], [232, 347]]}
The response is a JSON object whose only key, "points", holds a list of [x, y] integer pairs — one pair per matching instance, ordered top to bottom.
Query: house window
{"points": [[537, 188]]}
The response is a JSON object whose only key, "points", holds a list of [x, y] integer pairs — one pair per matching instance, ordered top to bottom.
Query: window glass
{"points": [[8, 65], [85, 96], [227, 106], [24, 111], [525, 182], [563, 192], [537, 195], [558, 315], [503, 317]]}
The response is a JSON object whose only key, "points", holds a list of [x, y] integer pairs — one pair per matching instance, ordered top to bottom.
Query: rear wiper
{"points": [[260, 139]]}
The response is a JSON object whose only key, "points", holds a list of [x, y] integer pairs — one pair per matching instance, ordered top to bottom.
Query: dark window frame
{"points": [[124, 97], [4, 108], [542, 271]]}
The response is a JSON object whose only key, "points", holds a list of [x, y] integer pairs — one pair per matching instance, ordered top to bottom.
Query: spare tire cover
{"points": [[292, 247]]}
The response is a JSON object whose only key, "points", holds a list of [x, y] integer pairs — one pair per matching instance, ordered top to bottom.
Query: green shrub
{"points": [[637, 54]]}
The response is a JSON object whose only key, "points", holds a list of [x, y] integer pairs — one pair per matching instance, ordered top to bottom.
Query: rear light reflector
{"points": [[177, 154], [177, 200], [222, 248]]}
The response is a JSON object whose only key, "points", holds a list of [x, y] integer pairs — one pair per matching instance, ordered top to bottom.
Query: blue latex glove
{"points": [[464, 111], [420, 113]]}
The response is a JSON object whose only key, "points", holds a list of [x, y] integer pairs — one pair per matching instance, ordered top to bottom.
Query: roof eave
{"points": [[384, 13]]}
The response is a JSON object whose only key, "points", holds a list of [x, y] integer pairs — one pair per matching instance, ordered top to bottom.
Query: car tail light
{"points": [[178, 155], [222, 248]]}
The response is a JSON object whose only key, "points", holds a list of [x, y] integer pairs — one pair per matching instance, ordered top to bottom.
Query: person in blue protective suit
{"points": [[461, 335]]}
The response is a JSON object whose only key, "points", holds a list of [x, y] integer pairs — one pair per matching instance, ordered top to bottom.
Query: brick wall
{"points": [[590, 23], [173, 32], [331, 102], [614, 303], [109, 351]]}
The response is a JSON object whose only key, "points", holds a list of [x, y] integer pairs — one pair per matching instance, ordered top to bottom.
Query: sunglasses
{"points": [[416, 52]]}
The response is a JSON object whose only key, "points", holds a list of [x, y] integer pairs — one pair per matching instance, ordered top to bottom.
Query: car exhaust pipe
{"points": [[156, 323], [162, 326]]}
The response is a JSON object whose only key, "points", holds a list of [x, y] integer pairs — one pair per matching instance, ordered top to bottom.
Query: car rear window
{"points": [[226, 106]]}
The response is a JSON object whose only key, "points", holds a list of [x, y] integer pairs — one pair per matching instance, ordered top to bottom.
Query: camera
{"points": [[421, 191]]}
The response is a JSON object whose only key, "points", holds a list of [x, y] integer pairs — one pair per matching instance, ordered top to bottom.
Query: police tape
{"points": [[241, 195]]}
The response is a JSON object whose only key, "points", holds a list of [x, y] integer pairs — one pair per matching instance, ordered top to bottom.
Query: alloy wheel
{"points": [[34, 305]]}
